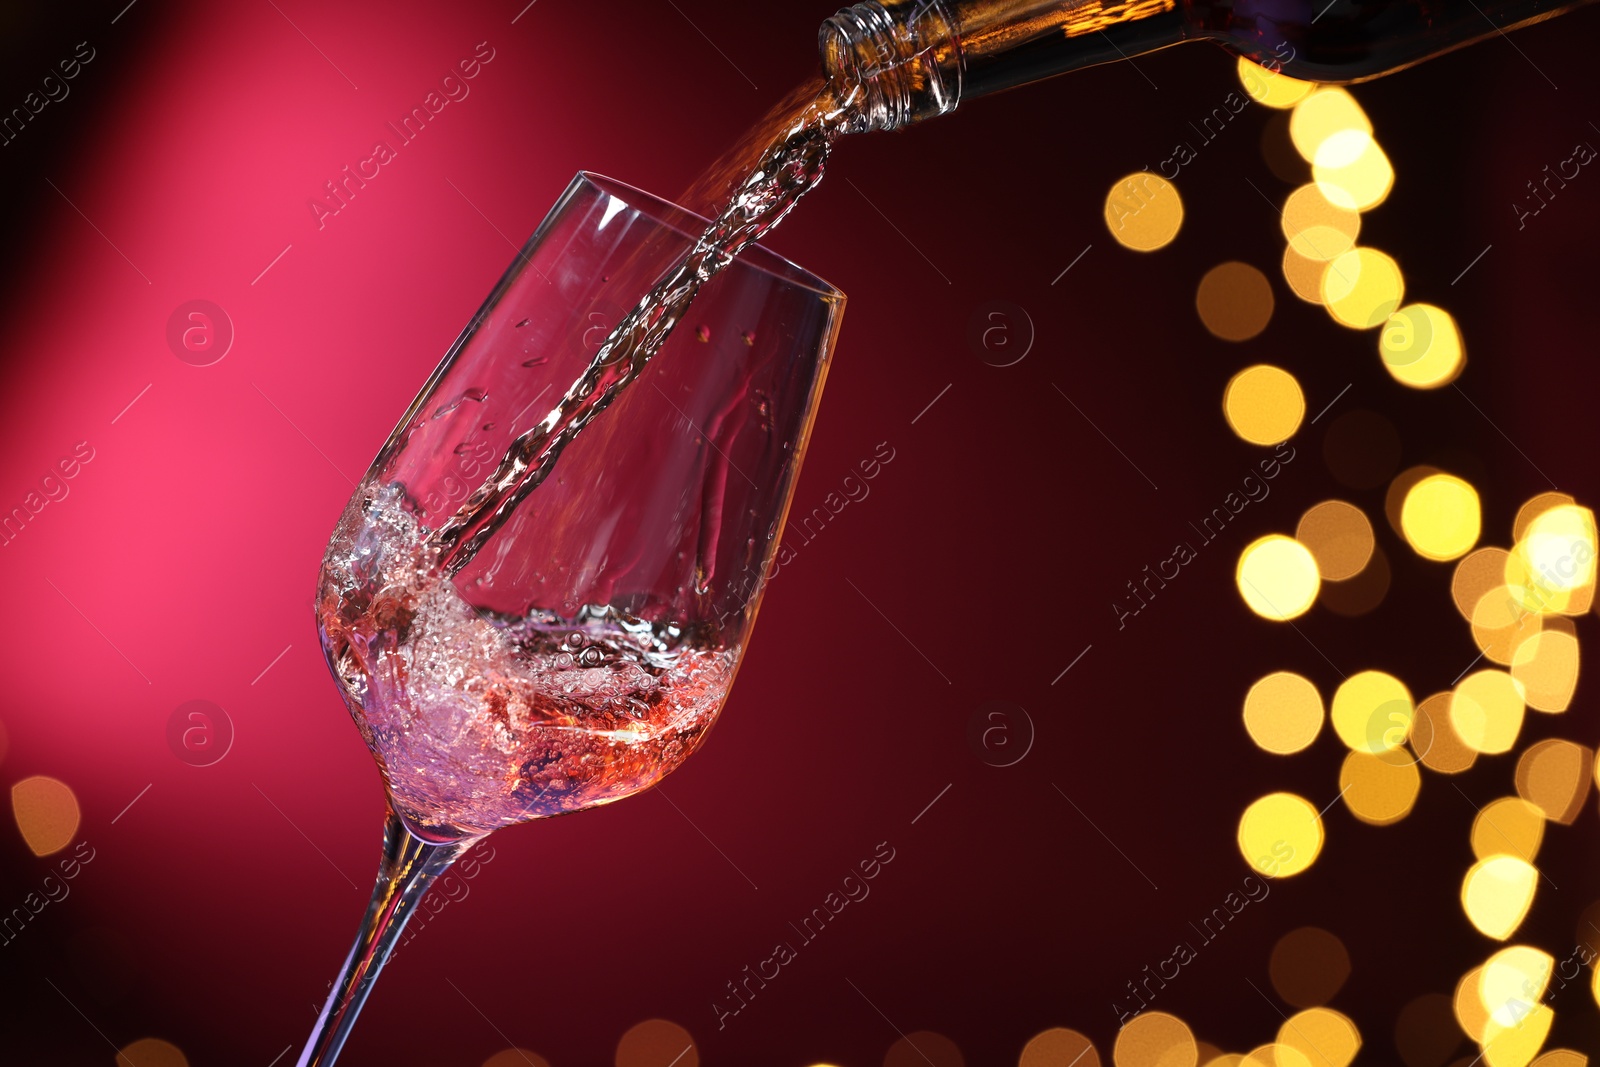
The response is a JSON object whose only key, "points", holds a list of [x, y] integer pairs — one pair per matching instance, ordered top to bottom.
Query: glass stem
{"points": [[409, 867]]}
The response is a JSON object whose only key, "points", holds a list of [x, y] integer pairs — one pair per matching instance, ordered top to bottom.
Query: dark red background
{"points": [[995, 541]]}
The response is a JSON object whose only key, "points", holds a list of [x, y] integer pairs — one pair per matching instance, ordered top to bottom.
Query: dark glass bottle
{"points": [[919, 58]]}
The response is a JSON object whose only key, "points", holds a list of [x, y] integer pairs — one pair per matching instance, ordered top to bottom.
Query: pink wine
{"points": [[478, 720]]}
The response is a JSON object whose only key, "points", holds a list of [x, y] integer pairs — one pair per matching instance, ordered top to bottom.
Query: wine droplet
{"points": [[523, 323], [703, 332], [749, 338], [536, 361]]}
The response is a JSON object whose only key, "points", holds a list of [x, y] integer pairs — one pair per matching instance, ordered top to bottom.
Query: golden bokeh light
{"points": [[1270, 88], [1323, 113], [1352, 170], [1143, 211], [1316, 228], [1303, 275], [1362, 288], [1234, 301], [1421, 347], [1264, 404], [1535, 507], [1441, 517], [1339, 537], [1554, 561], [1477, 573], [1277, 577], [1354, 597], [1500, 623], [1546, 667], [1486, 711], [1372, 712], [1283, 713], [1436, 742], [1553, 776], [1380, 789], [46, 812], [1510, 826], [1280, 835], [1497, 893], [1308, 967], [1512, 980], [1471, 1013], [1324, 1037], [1155, 1039], [654, 1042], [1515, 1044], [1058, 1047], [921, 1048], [151, 1052], [1275, 1055], [516, 1057], [1561, 1057]]}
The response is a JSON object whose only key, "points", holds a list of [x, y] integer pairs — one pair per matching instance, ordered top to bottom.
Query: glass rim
{"points": [[674, 217]]}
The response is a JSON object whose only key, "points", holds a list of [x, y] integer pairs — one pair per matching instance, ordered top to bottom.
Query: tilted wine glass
{"points": [[578, 645]]}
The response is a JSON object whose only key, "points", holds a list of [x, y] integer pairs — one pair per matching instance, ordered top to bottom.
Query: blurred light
{"points": [[1271, 88], [1322, 114], [1352, 170], [1143, 211], [1316, 228], [1303, 275], [1362, 288], [1234, 301], [1421, 347], [1264, 404], [1361, 449], [1533, 509], [1441, 517], [1339, 538], [1554, 560], [1478, 572], [1277, 577], [1358, 595], [1500, 623], [1546, 667], [1486, 711], [1372, 712], [1283, 713], [1436, 742], [1553, 776], [1380, 789], [46, 812], [1510, 826], [1280, 835], [1497, 893], [1308, 967], [1512, 980], [1471, 1013], [1425, 1031], [1326, 1038], [1155, 1039], [655, 1042], [1515, 1044], [921, 1048], [1057, 1048], [151, 1052], [1210, 1053], [1276, 1055], [516, 1057], [1562, 1057]]}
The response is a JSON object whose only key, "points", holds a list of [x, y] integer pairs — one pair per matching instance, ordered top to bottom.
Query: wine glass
{"points": [[581, 650]]}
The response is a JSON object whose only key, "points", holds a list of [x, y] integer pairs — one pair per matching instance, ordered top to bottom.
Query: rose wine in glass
{"points": [[536, 600]]}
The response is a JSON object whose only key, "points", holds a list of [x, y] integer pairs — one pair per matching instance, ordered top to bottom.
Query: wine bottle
{"points": [[914, 59]]}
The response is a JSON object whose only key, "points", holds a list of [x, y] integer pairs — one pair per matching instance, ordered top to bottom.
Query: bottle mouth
{"points": [[905, 59]]}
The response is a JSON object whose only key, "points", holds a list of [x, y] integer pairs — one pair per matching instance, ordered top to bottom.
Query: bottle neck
{"points": [[914, 59]]}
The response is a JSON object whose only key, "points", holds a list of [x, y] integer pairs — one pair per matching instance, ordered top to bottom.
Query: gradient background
{"points": [[183, 561]]}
